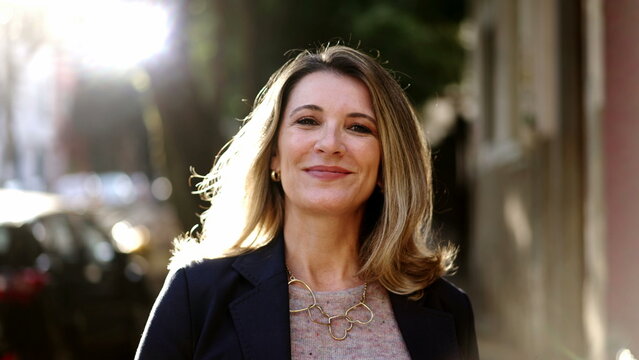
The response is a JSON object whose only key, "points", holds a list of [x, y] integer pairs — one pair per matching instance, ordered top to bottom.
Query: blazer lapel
{"points": [[261, 316], [428, 333]]}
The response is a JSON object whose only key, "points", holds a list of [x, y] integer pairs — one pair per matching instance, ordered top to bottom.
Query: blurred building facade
{"points": [[32, 108], [555, 178]]}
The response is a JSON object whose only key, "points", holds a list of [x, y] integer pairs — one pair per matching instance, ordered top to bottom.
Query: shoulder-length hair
{"points": [[247, 208]]}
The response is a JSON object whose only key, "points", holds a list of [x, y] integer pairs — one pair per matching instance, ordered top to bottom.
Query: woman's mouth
{"points": [[327, 172]]}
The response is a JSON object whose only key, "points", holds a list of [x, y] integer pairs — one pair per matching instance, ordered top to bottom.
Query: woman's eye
{"points": [[306, 121], [361, 129]]}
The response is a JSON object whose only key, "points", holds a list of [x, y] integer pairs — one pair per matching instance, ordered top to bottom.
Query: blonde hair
{"points": [[246, 209]]}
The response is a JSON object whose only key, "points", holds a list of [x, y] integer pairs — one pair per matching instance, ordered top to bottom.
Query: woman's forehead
{"points": [[321, 89]]}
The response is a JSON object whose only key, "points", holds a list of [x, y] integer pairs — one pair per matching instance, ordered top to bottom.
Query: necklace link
{"points": [[328, 319]]}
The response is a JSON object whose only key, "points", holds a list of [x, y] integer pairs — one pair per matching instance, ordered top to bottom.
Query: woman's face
{"points": [[328, 148]]}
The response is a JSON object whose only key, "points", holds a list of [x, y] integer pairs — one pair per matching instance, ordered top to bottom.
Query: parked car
{"points": [[66, 292]]}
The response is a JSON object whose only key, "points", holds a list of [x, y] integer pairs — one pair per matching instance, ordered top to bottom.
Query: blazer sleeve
{"points": [[444, 296], [466, 331], [168, 333]]}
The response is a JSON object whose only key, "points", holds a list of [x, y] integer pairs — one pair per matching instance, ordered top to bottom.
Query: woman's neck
{"points": [[323, 250]]}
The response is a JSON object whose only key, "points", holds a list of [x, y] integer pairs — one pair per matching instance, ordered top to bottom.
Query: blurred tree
{"points": [[418, 39], [224, 51], [107, 115]]}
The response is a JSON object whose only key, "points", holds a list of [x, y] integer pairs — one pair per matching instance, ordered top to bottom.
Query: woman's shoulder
{"points": [[208, 266], [223, 271], [207, 272], [205, 283], [445, 287], [445, 296]]}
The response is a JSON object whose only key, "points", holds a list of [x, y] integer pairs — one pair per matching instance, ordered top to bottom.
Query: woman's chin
{"points": [[331, 207]]}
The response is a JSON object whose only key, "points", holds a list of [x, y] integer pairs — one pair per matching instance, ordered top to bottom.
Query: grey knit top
{"points": [[380, 339]]}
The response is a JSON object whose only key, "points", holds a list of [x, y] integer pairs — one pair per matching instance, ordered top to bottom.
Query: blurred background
{"points": [[530, 107]]}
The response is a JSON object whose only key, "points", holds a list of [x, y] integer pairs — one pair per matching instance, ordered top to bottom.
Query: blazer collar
{"points": [[264, 263], [261, 315]]}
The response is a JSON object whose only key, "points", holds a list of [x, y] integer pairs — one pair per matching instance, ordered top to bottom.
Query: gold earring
{"points": [[275, 176]]}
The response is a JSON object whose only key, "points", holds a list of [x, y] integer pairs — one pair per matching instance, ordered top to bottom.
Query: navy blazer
{"points": [[237, 308]]}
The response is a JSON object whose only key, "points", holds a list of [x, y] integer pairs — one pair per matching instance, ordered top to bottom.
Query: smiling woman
{"points": [[328, 149], [316, 243]]}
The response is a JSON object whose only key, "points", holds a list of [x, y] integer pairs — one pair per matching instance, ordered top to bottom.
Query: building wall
{"points": [[621, 164], [528, 223], [555, 248]]}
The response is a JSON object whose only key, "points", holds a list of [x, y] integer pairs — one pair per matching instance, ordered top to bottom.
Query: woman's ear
{"points": [[275, 161]]}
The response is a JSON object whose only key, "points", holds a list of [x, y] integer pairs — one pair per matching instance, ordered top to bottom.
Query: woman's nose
{"points": [[330, 141]]}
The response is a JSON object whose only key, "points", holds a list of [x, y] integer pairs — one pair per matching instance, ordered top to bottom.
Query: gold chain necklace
{"points": [[326, 319]]}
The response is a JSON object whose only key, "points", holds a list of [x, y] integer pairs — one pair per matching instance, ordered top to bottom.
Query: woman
{"points": [[325, 194]]}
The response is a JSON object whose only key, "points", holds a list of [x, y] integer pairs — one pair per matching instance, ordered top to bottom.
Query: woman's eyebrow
{"points": [[307, 107], [319, 108], [362, 115]]}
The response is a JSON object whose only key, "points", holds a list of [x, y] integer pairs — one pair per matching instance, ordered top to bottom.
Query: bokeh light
{"points": [[103, 34], [129, 238]]}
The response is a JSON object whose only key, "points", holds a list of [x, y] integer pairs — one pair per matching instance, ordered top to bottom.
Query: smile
{"points": [[327, 172]]}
